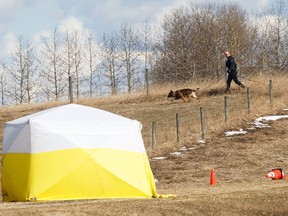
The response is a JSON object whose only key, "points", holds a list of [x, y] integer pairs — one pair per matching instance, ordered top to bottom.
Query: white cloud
{"points": [[262, 3], [4, 4], [168, 8], [8, 9], [31, 18], [71, 24], [265, 24], [38, 37], [37, 40], [9, 41]]}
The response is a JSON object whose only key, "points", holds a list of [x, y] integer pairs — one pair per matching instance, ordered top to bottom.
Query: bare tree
{"points": [[236, 33], [278, 34], [269, 35], [194, 39], [206, 40], [176, 45], [130, 46], [147, 50], [68, 55], [258, 55], [109, 56], [77, 58], [72, 59], [91, 59], [52, 64], [17, 72], [3, 83], [23, 85], [32, 87]]}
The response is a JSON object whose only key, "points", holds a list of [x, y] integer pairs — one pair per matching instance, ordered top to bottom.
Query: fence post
{"points": [[147, 81], [70, 90], [270, 90], [249, 100], [226, 108], [202, 124], [177, 127], [153, 134]]}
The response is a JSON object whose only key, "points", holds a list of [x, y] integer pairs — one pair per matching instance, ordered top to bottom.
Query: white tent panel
{"points": [[54, 129]]}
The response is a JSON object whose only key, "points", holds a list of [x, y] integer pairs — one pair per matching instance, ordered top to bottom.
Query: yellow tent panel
{"points": [[74, 152]]}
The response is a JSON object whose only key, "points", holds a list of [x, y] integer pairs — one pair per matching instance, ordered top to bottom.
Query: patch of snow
{"points": [[271, 118], [261, 122], [258, 123], [261, 125], [251, 128], [232, 133], [184, 148], [187, 149], [176, 153], [159, 158]]}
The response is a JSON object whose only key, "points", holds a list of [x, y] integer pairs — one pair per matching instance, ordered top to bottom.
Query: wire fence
{"points": [[191, 121]]}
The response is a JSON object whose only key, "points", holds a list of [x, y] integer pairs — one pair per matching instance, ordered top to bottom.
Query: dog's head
{"points": [[171, 94]]}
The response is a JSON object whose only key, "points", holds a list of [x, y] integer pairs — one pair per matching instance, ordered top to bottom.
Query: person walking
{"points": [[232, 71]]}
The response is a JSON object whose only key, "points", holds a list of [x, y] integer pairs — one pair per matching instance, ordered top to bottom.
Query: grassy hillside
{"points": [[156, 107], [240, 162]]}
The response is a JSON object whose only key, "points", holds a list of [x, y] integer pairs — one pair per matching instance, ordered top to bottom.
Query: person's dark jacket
{"points": [[231, 65]]}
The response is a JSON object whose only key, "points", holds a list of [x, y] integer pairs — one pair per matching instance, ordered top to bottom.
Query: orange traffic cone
{"points": [[276, 174], [212, 178]]}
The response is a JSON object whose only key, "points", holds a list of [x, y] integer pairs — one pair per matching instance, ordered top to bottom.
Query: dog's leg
{"points": [[182, 96]]}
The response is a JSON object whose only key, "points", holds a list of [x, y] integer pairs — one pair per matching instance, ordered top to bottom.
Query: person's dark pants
{"points": [[233, 76]]}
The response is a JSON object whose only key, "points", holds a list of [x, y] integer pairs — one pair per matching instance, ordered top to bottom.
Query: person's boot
{"points": [[242, 86], [227, 90]]}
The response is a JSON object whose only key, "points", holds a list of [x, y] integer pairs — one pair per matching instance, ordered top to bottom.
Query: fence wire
{"points": [[189, 118]]}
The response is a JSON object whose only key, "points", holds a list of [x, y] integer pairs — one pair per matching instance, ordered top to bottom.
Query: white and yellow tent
{"points": [[74, 152]]}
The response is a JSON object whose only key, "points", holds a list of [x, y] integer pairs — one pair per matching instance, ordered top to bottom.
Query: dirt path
{"points": [[240, 163]]}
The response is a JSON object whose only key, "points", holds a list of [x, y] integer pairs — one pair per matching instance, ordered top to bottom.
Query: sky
{"points": [[33, 18]]}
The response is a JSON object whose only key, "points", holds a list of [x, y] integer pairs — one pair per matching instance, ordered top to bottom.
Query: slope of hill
{"points": [[240, 162]]}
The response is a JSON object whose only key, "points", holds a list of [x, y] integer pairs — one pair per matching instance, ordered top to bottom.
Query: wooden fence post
{"points": [[147, 81], [70, 90], [270, 90], [249, 100], [226, 108], [202, 124], [177, 128], [153, 134]]}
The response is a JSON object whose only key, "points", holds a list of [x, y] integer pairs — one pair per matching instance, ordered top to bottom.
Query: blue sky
{"points": [[32, 18]]}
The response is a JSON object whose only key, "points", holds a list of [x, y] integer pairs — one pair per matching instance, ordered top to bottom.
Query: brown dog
{"points": [[184, 94]]}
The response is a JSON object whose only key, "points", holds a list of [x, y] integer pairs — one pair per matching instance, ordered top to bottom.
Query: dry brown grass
{"points": [[156, 107], [240, 162]]}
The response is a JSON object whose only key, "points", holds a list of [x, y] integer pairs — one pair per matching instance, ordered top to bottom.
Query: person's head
{"points": [[227, 53]]}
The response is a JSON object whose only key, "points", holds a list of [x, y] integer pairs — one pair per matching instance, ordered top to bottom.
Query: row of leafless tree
{"points": [[194, 38], [187, 46], [71, 65]]}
